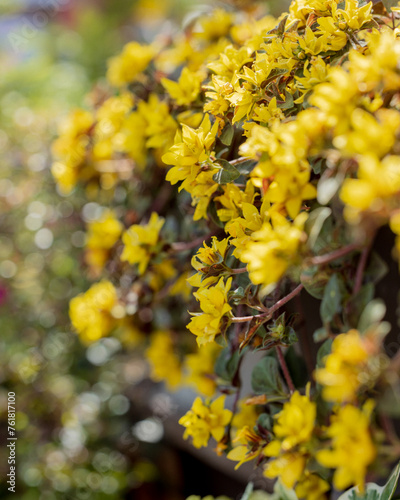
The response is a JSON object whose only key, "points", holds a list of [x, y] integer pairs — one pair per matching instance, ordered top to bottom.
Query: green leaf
{"points": [[389, 4], [287, 103], [227, 134], [317, 165], [246, 167], [227, 173], [327, 188], [212, 213], [315, 223], [323, 242], [377, 268], [314, 281], [237, 295], [332, 300], [357, 304], [372, 315], [320, 334], [323, 351], [226, 364], [297, 367], [265, 378], [389, 403], [265, 421], [248, 491], [373, 491], [284, 493], [262, 495]]}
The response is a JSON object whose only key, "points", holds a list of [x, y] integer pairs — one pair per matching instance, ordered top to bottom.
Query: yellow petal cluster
{"points": [[125, 67], [102, 235], [140, 242], [273, 248], [214, 305], [90, 312], [164, 363], [345, 369], [203, 421], [293, 429], [352, 449]]}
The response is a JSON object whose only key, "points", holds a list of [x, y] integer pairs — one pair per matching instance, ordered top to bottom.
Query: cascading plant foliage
{"points": [[236, 165]]}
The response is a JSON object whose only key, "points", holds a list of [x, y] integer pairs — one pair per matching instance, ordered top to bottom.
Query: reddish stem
{"points": [[182, 246], [336, 254], [360, 270], [239, 271], [272, 309], [285, 369]]}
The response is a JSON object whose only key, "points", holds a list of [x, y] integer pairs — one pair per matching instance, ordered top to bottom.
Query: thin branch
{"points": [[242, 159], [182, 246], [336, 254], [360, 269], [239, 271], [272, 309], [304, 339], [285, 369]]}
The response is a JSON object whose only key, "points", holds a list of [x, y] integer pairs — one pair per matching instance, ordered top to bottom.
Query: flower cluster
{"points": [[262, 154], [203, 421]]}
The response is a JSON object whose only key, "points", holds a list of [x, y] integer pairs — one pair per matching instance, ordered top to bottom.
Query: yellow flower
{"points": [[300, 9], [352, 16], [215, 25], [230, 61], [125, 67], [377, 70], [315, 72], [186, 90], [218, 91], [337, 98], [243, 101], [265, 113], [110, 118], [160, 126], [374, 135], [132, 138], [192, 147], [69, 149], [283, 151], [377, 182], [201, 189], [233, 200], [242, 228], [101, 237], [140, 242], [273, 249], [207, 258], [160, 273], [181, 286], [214, 304], [90, 312], [165, 364], [200, 368], [341, 376], [245, 416], [203, 421], [295, 423], [293, 429], [247, 446], [352, 447], [289, 467], [312, 487]]}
